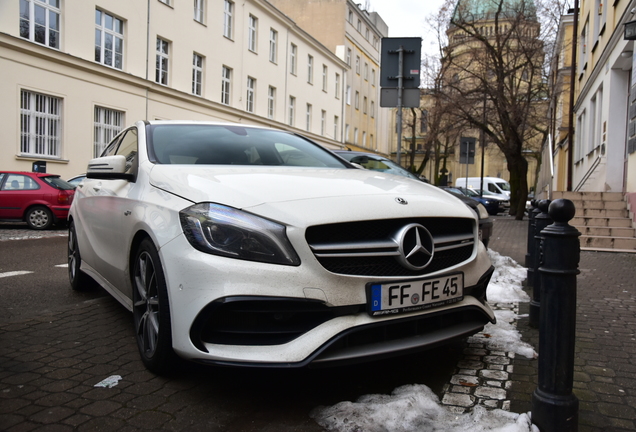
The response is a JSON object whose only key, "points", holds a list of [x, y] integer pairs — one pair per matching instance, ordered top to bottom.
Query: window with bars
{"points": [[199, 10], [228, 19], [40, 21], [252, 33], [109, 39], [273, 45], [161, 68], [197, 74], [226, 80], [251, 85], [271, 102], [108, 123], [40, 124]]}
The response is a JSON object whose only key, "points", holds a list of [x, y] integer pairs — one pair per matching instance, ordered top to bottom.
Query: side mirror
{"points": [[109, 168]]}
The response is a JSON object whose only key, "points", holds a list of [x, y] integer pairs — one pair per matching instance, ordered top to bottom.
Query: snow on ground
{"points": [[415, 408]]}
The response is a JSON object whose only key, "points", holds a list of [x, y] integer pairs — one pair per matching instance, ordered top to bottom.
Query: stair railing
{"points": [[587, 175]]}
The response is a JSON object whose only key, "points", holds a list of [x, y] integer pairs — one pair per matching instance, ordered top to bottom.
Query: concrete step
{"points": [[589, 196], [599, 205], [601, 212], [612, 222], [607, 231], [602, 242]]}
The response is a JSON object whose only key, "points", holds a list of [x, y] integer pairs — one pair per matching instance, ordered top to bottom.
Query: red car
{"points": [[39, 199]]}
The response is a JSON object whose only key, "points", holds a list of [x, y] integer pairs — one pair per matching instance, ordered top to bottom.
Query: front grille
{"points": [[368, 248]]}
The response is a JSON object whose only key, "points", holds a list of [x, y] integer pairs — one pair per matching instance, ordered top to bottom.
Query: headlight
{"points": [[483, 213], [225, 231]]}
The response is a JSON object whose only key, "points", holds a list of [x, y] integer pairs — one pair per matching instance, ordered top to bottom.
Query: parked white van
{"points": [[494, 185]]}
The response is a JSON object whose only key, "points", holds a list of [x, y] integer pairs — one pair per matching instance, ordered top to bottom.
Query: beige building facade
{"points": [[75, 72]]}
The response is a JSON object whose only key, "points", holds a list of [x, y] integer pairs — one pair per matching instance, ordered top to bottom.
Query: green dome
{"points": [[477, 10]]}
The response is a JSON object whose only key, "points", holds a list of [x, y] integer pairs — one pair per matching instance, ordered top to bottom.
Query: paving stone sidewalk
{"points": [[605, 353]]}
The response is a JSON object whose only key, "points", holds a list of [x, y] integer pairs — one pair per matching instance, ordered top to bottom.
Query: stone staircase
{"points": [[603, 219]]}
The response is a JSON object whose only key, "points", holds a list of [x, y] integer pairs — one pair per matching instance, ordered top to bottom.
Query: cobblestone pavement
{"points": [[605, 352], [49, 368]]}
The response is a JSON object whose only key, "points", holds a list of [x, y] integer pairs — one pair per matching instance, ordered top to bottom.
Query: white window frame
{"points": [[199, 11], [228, 19], [32, 31], [252, 33], [103, 35], [273, 45], [293, 53], [348, 57], [162, 65], [358, 65], [310, 69], [366, 71], [197, 74], [325, 74], [373, 77], [226, 85], [337, 86], [348, 95], [249, 98], [357, 100], [271, 102], [364, 104], [292, 110], [308, 117], [323, 122], [107, 123], [40, 124], [335, 127], [347, 130], [355, 136]]}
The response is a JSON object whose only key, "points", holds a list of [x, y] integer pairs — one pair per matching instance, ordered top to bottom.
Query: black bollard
{"points": [[541, 221], [530, 243], [554, 407]]}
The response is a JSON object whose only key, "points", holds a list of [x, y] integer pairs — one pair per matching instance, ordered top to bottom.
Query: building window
{"points": [[199, 9], [228, 17], [350, 17], [40, 21], [359, 26], [252, 33], [366, 33], [109, 40], [273, 45], [348, 58], [292, 59], [358, 65], [310, 69], [325, 71], [366, 71], [161, 74], [197, 74], [373, 77], [226, 80], [251, 85], [337, 86], [348, 95], [357, 100], [271, 102], [364, 105], [292, 107], [372, 109], [308, 118], [323, 120], [108, 123], [40, 124], [335, 127], [347, 129], [355, 136], [364, 139], [371, 141]]}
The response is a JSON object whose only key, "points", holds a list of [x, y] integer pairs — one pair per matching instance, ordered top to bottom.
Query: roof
{"points": [[476, 10]]}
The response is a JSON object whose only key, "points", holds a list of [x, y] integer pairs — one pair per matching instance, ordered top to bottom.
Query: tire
{"points": [[39, 218], [79, 280], [151, 311]]}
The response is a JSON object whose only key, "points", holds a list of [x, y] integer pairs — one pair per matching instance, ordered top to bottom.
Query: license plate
{"points": [[415, 295]]}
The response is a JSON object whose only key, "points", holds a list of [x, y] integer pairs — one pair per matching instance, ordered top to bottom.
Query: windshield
{"points": [[234, 145], [375, 163], [504, 186]]}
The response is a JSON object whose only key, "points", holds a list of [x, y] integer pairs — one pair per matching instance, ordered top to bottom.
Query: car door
{"points": [[17, 191], [104, 207]]}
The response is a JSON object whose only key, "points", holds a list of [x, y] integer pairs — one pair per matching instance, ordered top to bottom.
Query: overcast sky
{"points": [[406, 18]]}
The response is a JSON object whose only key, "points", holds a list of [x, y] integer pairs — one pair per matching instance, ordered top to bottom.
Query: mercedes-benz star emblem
{"points": [[401, 201], [415, 246]]}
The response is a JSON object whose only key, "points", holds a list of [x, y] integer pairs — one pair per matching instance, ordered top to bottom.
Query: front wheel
{"points": [[39, 218], [78, 279], [151, 310]]}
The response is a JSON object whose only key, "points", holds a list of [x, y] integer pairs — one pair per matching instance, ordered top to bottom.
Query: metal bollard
{"points": [[541, 221], [532, 253], [554, 407]]}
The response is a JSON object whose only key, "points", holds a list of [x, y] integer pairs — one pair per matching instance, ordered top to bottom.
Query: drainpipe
{"points": [[575, 31]]}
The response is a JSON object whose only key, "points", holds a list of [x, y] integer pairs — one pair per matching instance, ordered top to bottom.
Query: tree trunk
{"points": [[518, 167]]}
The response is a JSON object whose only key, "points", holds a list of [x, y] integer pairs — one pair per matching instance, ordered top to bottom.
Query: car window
{"points": [[234, 145], [111, 148], [128, 148], [19, 182], [58, 183], [503, 186], [492, 188]]}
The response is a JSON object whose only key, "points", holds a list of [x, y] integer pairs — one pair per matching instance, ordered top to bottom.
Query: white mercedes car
{"points": [[244, 245]]}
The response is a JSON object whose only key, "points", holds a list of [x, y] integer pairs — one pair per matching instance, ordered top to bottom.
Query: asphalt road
{"points": [[34, 286]]}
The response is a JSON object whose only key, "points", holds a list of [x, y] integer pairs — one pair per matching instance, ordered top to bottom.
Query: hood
{"points": [[303, 196]]}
